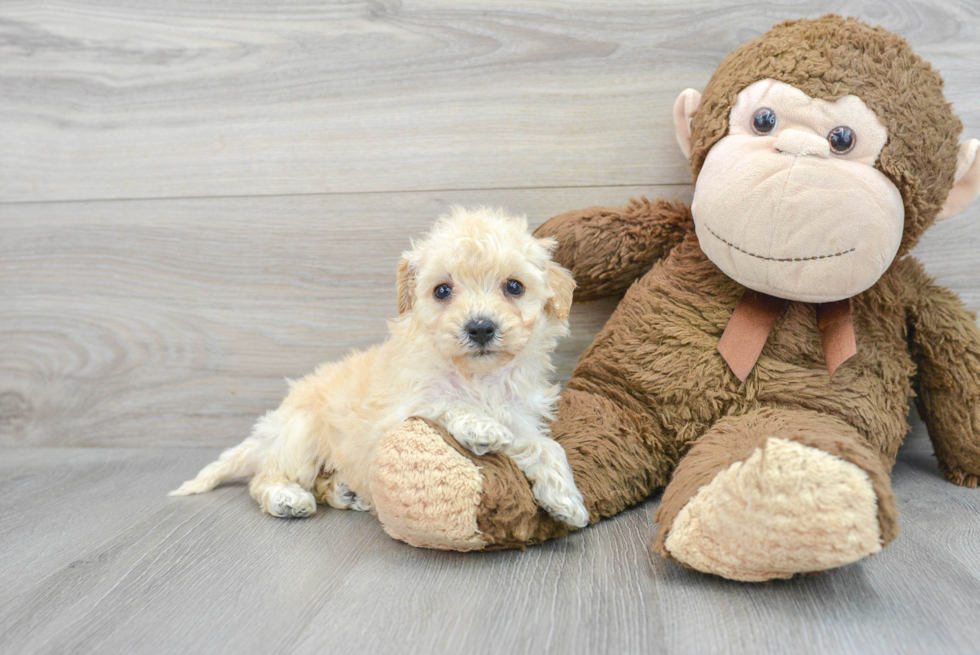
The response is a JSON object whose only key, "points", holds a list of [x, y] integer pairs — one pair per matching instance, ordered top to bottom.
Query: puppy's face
{"points": [[484, 290]]}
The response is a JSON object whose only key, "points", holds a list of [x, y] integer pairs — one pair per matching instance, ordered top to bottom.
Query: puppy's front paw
{"points": [[482, 436], [544, 463], [554, 486], [289, 500], [565, 504]]}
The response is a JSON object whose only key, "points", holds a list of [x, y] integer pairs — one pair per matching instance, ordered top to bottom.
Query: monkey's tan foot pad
{"points": [[431, 493], [787, 509]]}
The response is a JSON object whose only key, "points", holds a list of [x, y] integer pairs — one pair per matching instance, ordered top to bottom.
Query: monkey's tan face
{"points": [[789, 202]]}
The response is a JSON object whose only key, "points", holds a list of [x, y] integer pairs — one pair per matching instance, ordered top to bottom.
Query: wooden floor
{"points": [[198, 199], [97, 559]]}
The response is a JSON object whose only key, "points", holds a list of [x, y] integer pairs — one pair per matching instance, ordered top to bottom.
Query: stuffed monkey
{"points": [[769, 338]]}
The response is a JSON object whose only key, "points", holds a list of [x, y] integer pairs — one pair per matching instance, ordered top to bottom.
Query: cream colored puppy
{"points": [[481, 308]]}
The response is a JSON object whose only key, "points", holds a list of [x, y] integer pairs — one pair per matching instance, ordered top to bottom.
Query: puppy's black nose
{"points": [[481, 331]]}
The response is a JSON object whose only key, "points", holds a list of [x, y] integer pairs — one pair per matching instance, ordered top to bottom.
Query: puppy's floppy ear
{"points": [[406, 284], [562, 284]]}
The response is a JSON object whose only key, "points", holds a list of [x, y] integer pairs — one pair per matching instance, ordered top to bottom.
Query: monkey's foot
{"points": [[432, 493], [786, 509]]}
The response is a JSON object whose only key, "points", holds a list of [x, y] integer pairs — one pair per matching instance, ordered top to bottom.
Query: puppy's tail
{"points": [[235, 462]]}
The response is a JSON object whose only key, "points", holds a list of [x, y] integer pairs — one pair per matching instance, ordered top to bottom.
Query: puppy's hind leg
{"points": [[544, 463], [288, 468], [330, 490]]}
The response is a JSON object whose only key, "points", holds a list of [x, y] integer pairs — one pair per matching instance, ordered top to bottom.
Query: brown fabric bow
{"points": [[753, 320]]}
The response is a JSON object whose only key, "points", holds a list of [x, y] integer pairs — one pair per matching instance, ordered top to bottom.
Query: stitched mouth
{"points": [[777, 259]]}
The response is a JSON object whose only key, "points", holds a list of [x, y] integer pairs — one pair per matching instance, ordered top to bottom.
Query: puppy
{"points": [[481, 308]]}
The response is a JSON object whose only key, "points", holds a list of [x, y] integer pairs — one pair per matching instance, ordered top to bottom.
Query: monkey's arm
{"points": [[606, 249], [946, 346]]}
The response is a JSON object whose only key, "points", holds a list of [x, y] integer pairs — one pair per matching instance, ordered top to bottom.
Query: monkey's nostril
{"points": [[481, 332]]}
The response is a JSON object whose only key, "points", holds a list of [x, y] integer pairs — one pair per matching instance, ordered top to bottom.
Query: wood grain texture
{"points": [[136, 99], [278, 157], [175, 322], [114, 566]]}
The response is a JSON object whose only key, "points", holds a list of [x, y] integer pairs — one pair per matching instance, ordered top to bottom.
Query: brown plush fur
{"points": [[625, 243], [947, 353], [652, 402], [508, 517]]}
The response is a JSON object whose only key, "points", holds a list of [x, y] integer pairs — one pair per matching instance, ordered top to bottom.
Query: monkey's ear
{"points": [[684, 107], [966, 184], [406, 284], [562, 284]]}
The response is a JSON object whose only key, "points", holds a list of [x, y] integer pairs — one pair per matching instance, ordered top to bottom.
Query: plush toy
{"points": [[771, 336]]}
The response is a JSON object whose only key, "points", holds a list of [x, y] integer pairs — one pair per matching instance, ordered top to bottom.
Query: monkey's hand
{"points": [[607, 249], [946, 346]]}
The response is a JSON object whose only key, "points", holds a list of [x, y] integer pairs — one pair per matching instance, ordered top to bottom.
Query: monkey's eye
{"points": [[764, 121], [842, 139], [514, 288], [442, 291]]}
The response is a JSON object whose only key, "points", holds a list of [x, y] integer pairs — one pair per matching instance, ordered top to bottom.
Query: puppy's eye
{"points": [[764, 121], [842, 139], [514, 288], [442, 292]]}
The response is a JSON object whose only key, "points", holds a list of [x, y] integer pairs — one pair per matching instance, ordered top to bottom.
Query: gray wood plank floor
{"points": [[198, 199], [97, 559]]}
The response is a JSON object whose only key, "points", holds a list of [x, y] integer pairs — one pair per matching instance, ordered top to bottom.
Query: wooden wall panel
{"points": [[125, 99], [175, 321]]}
